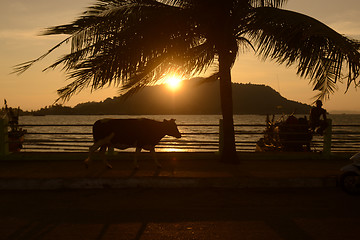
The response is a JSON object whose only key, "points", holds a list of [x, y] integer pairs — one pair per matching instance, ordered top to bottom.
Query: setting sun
{"points": [[173, 82]]}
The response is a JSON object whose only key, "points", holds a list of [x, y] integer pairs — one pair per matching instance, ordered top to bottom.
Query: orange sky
{"points": [[21, 21]]}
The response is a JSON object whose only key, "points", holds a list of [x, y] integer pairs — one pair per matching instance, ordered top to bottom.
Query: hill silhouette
{"points": [[192, 98]]}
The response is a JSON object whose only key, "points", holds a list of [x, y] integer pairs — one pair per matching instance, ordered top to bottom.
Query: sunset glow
{"points": [[22, 21], [173, 82]]}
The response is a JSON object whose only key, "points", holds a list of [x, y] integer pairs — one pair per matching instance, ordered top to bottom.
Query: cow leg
{"points": [[95, 146], [92, 149], [102, 151], [137, 152], [153, 153], [87, 161]]}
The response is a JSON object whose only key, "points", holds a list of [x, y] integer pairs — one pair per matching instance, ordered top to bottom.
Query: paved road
{"points": [[179, 214]]}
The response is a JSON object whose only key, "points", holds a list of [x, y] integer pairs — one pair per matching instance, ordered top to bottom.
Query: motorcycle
{"points": [[350, 178]]}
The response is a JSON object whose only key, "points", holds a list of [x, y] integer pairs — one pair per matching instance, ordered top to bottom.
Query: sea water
{"points": [[200, 132]]}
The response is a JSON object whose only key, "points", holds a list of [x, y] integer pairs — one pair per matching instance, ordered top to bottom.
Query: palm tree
{"points": [[134, 43]]}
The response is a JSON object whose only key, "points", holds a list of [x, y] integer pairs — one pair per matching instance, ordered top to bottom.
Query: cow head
{"points": [[171, 128]]}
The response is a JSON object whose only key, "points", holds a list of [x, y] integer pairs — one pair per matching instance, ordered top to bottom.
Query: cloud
{"points": [[349, 28], [18, 34], [29, 37]]}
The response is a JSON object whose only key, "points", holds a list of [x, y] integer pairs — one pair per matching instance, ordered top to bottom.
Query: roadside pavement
{"points": [[26, 171]]}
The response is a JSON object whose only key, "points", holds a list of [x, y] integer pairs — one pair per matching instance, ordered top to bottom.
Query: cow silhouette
{"points": [[140, 133]]}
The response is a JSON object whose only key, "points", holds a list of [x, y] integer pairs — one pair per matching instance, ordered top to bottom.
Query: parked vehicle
{"points": [[350, 178]]}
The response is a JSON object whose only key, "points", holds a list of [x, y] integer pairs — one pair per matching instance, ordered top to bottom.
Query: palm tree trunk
{"points": [[229, 150]]}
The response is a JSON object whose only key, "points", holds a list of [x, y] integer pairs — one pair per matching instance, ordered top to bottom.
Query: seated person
{"points": [[317, 124]]}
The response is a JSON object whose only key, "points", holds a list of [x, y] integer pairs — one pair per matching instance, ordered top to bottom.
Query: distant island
{"points": [[194, 97]]}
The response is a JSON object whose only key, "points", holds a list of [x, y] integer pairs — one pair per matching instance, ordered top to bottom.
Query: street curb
{"points": [[164, 182]]}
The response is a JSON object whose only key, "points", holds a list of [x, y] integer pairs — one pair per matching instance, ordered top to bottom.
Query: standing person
{"points": [[317, 124]]}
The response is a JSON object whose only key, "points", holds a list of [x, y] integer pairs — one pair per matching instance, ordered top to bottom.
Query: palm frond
{"points": [[268, 3], [131, 45], [319, 52], [22, 67], [212, 78]]}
